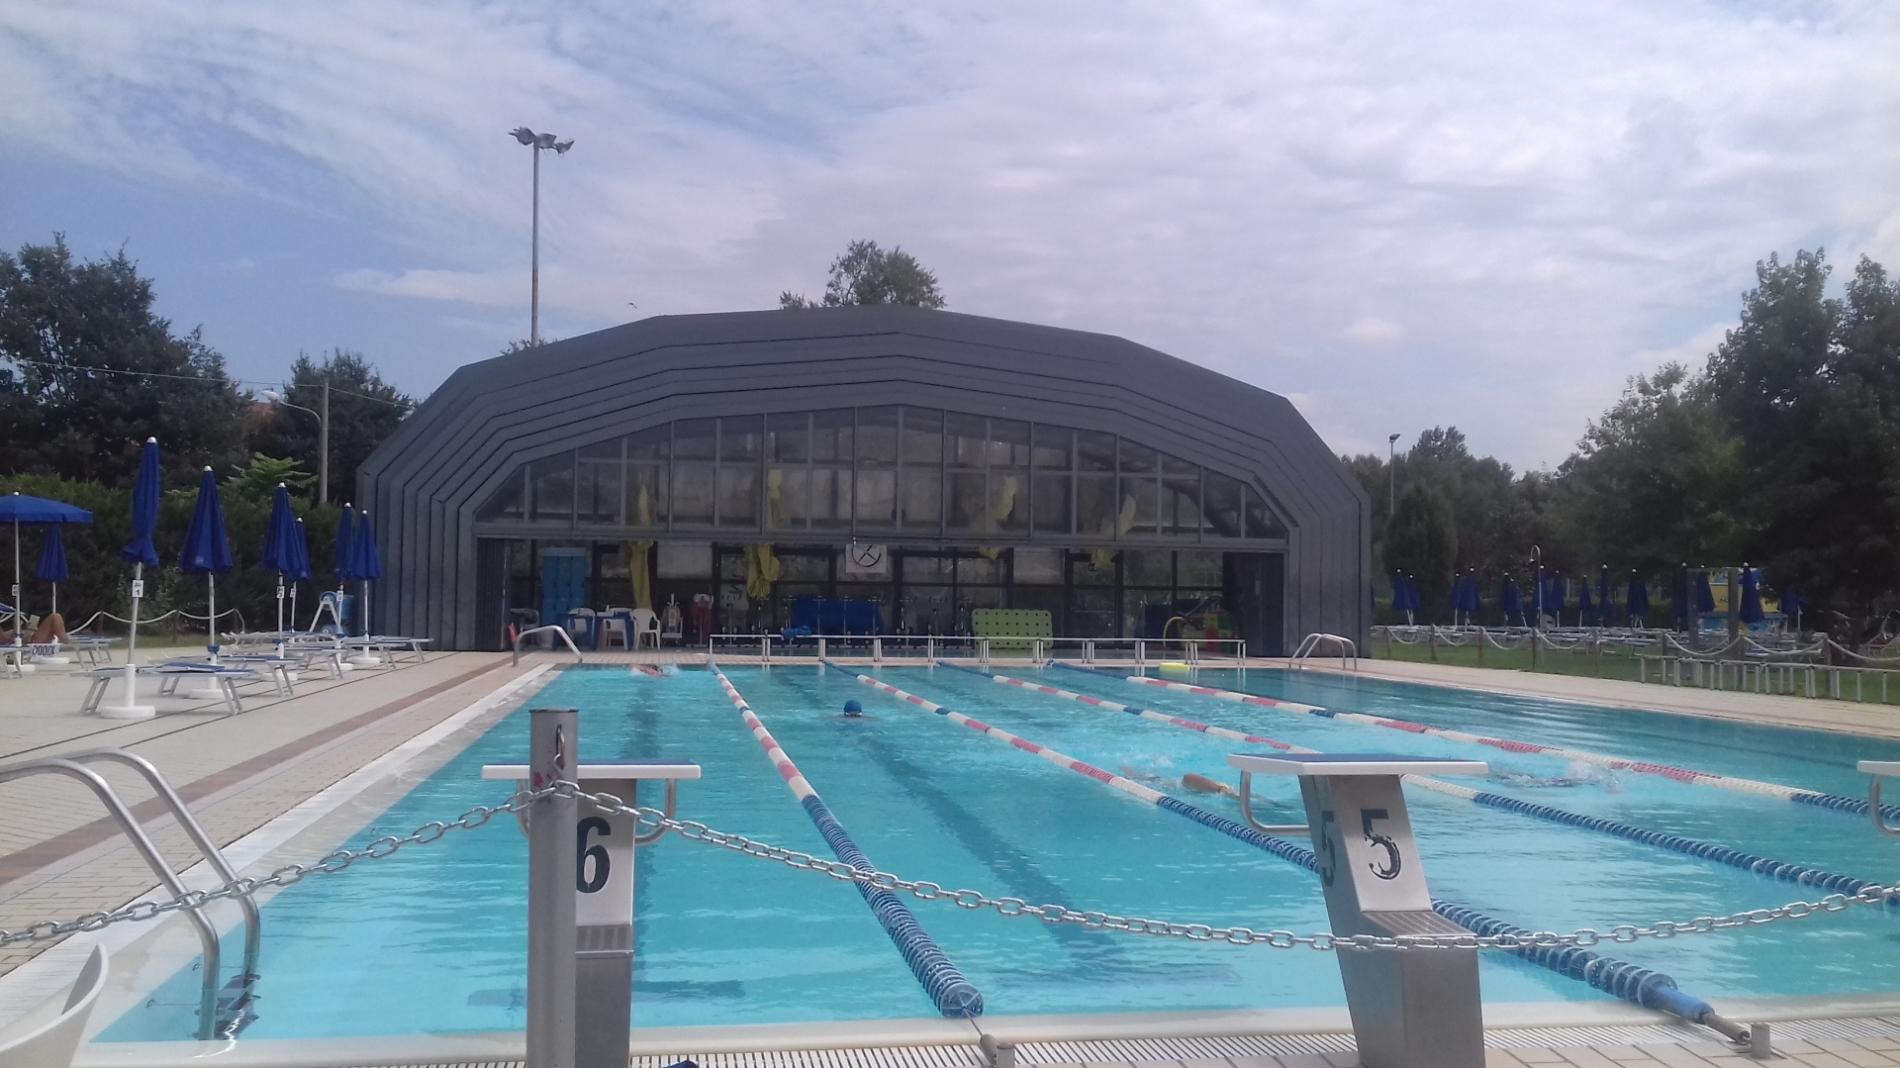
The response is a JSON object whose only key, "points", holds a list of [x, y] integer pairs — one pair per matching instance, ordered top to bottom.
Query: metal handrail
{"points": [[555, 628], [1311, 643], [932, 644], [1246, 812], [207, 936]]}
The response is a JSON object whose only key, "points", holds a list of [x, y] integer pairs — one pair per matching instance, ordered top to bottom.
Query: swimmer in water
{"points": [[648, 670], [854, 710], [1576, 773], [1192, 782]]}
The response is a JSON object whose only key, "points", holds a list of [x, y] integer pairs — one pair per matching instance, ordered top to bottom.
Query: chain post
{"points": [[552, 745]]}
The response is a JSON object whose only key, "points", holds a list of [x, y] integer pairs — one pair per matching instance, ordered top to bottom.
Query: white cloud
{"points": [[1544, 198]]}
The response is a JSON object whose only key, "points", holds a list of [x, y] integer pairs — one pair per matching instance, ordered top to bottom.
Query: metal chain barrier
{"points": [[924, 890]]}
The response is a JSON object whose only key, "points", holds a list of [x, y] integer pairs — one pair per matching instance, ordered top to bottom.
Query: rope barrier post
{"points": [[594, 963], [1409, 1010]]}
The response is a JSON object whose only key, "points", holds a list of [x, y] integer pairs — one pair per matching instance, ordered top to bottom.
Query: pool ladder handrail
{"points": [[555, 628], [1348, 650], [73, 766], [1246, 812]]}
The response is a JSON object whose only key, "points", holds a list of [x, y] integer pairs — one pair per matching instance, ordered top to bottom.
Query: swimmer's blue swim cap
{"points": [[852, 708]]}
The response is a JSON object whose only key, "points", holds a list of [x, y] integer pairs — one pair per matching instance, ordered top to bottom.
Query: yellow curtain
{"points": [[637, 552], [1103, 559], [761, 563]]}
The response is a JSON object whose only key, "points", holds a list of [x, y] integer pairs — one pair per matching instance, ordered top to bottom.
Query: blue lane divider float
{"points": [[1675, 773], [1800, 874], [1646, 987], [953, 994]]}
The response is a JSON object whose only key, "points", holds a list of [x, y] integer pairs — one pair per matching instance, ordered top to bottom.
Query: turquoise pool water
{"points": [[433, 939]]}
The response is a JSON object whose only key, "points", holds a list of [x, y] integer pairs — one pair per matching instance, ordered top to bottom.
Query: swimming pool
{"points": [[433, 939]]}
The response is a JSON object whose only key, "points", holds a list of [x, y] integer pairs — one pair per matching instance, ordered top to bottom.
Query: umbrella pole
{"points": [[19, 614], [129, 708]]}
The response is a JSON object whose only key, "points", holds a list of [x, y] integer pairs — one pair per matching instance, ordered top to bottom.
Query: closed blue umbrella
{"points": [[206, 550], [140, 553], [278, 554], [340, 559], [52, 563], [365, 563], [299, 566], [1398, 593], [1704, 596], [1474, 598], [1554, 598], [1679, 598], [1456, 599], [1509, 600], [1636, 600], [1412, 602], [1791, 605], [1584, 607], [1604, 608], [1751, 612]]}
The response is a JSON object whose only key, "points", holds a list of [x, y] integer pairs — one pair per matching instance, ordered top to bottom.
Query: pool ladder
{"points": [[551, 628], [1348, 650], [215, 1018]]}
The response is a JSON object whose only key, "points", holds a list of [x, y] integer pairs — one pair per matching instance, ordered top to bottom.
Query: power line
{"points": [[56, 365]]}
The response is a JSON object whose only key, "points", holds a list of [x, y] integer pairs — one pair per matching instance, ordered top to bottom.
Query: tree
{"points": [[866, 274], [94, 372], [364, 412], [261, 475], [1423, 541]]}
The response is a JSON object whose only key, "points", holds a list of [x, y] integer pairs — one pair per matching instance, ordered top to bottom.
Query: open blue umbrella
{"points": [[21, 510], [279, 532], [206, 550], [140, 553], [52, 563], [365, 564], [1510, 600], [1636, 600], [1751, 612]]}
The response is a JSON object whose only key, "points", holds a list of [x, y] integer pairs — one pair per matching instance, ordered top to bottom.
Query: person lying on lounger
{"points": [[52, 628]]}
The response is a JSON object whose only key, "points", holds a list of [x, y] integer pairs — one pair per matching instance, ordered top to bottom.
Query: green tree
{"points": [[867, 274], [88, 371], [364, 412], [263, 474], [1422, 540]]}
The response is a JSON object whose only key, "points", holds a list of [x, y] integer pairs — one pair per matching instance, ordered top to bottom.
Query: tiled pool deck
{"points": [[60, 857]]}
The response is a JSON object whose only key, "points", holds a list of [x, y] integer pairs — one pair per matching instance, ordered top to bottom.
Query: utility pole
{"points": [[323, 444], [1392, 474]]}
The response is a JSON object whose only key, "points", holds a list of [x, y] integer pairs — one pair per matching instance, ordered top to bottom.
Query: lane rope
{"points": [[1692, 776], [1646, 987], [952, 992]]}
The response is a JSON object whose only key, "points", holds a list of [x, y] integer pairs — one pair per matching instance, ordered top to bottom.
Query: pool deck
{"points": [[60, 857]]}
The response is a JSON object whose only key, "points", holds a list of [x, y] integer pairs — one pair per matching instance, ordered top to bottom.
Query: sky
{"points": [[1397, 215]]}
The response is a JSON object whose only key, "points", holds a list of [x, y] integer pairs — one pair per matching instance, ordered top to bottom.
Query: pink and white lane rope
{"points": [[1148, 713], [786, 769], [1667, 771], [1127, 786]]}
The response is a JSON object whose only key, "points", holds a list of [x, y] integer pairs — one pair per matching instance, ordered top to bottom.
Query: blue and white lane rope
{"points": [[1691, 776], [1799, 874], [1646, 987], [954, 995]]}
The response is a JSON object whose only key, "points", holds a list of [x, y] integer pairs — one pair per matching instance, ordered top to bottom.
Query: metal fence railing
{"points": [[932, 647]]}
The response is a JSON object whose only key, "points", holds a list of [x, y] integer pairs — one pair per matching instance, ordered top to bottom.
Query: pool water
{"points": [[433, 939]]}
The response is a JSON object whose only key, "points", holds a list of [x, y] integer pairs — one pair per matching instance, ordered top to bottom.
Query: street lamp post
{"points": [[537, 142], [323, 435], [1392, 474]]}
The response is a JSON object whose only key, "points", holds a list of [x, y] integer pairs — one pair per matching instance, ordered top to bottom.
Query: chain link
{"points": [[925, 890]]}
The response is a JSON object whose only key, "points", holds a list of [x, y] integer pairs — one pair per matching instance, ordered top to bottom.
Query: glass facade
{"points": [[880, 473]]}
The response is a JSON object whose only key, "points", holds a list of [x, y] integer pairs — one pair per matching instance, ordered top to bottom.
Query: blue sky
{"points": [[1485, 214]]}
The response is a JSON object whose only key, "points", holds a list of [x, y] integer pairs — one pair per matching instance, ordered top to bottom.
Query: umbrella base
{"points": [[52, 660], [365, 660], [205, 693], [127, 708]]}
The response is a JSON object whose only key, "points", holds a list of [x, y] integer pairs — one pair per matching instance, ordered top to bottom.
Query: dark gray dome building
{"points": [[926, 463]]}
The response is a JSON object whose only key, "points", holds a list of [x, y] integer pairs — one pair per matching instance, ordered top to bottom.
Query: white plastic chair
{"points": [[613, 625], [646, 628], [48, 1036]]}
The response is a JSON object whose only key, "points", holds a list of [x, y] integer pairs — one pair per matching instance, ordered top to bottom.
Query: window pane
{"points": [[831, 434], [923, 435], [790, 436], [877, 436], [739, 437], [694, 438], [965, 439], [1009, 442], [649, 444], [1055, 447], [602, 450], [1093, 451], [1138, 459], [1173, 465], [552, 481], [1140, 489], [693, 493], [646, 495], [738, 495], [831, 497], [877, 497], [787, 498], [923, 498], [597, 499], [1009, 499], [966, 501], [506, 503], [1052, 505], [1221, 505], [1181, 506], [1095, 507], [1260, 522], [1037, 566], [1148, 567], [1199, 567], [927, 568], [979, 569]]}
